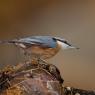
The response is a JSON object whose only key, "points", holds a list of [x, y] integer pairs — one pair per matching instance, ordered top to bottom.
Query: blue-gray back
{"points": [[45, 41]]}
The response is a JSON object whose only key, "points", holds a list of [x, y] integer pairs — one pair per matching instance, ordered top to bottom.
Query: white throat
{"points": [[63, 45], [66, 46]]}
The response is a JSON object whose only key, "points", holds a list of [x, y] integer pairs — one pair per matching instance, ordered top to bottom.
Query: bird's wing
{"points": [[43, 41]]}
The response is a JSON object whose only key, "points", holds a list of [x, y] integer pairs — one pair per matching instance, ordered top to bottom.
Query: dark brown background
{"points": [[71, 19]]}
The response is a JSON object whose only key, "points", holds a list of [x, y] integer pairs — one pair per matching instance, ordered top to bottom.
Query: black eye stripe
{"points": [[67, 43]]}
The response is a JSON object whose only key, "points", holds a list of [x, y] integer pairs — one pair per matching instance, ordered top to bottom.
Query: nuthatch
{"points": [[42, 46]]}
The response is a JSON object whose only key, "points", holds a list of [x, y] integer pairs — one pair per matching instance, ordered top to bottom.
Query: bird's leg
{"points": [[27, 56], [37, 57]]}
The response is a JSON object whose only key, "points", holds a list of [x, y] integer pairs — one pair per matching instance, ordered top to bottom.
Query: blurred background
{"points": [[73, 20]]}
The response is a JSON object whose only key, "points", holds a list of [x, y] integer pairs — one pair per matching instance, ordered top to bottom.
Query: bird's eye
{"points": [[54, 39]]}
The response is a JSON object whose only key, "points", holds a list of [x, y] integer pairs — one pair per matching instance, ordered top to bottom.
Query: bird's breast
{"points": [[44, 52]]}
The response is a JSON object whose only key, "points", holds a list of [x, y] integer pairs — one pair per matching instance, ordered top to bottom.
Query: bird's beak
{"points": [[73, 47]]}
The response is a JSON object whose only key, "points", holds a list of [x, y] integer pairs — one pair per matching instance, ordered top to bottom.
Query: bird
{"points": [[42, 47]]}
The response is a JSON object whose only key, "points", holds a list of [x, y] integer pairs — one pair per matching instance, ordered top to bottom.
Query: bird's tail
{"points": [[8, 42]]}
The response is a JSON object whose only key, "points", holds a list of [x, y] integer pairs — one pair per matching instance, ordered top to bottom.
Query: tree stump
{"points": [[31, 79]]}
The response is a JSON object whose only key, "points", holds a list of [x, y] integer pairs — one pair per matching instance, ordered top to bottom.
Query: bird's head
{"points": [[64, 44]]}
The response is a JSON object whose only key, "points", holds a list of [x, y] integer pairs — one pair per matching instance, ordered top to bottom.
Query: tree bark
{"points": [[31, 79], [35, 79]]}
